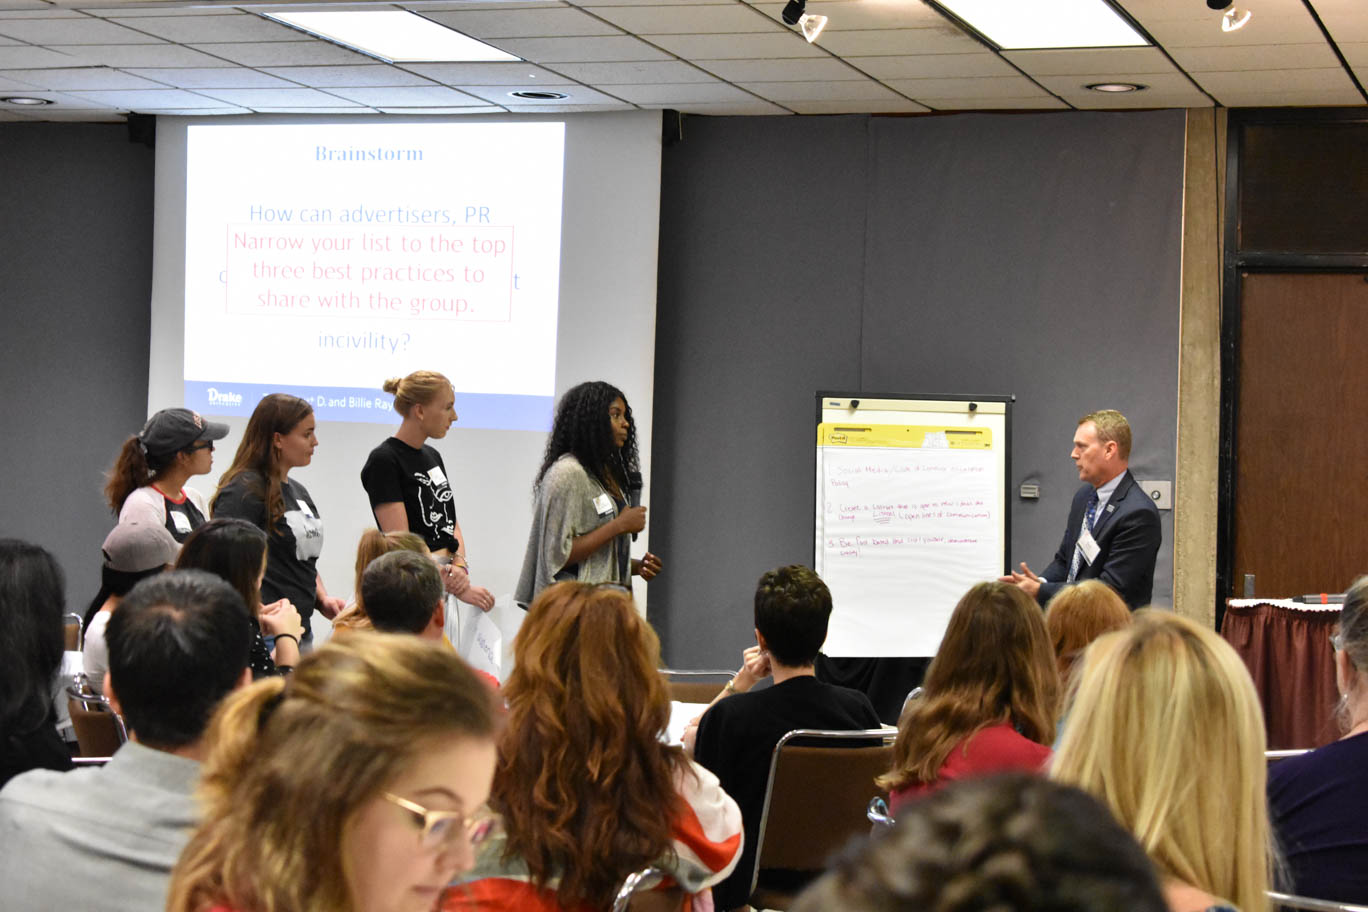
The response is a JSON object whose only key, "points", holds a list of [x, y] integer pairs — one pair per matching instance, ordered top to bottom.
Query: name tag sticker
{"points": [[437, 475], [603, 504], [306, 509], [181, 521], [1088, 545]]}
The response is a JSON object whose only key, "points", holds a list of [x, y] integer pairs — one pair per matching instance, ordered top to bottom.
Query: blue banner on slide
{"points": [[371, 406]]}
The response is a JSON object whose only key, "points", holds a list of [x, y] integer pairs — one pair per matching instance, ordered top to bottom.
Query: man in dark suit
{"points": [[1113, 532]]}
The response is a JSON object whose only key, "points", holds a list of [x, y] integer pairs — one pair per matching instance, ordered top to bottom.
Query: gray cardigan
{"points": [[569, 503]]}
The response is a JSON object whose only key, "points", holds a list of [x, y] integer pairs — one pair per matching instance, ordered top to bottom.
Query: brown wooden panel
{"points": [[1303, 186], [1301, 435]]}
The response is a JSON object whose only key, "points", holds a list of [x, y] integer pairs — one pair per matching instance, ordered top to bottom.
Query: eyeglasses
{"points": [[207, 445], [1337, 642], [442, 829]]}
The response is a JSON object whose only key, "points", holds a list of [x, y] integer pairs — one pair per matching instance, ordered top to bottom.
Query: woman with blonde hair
{"points": [[407, 483], [373, 544], [1079, 614], [989, 700], [1165, 728], [356, 785], [588, 790]]}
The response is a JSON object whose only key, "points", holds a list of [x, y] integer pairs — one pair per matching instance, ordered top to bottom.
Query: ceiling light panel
{"points": [[1014, 25], [395, 36]]}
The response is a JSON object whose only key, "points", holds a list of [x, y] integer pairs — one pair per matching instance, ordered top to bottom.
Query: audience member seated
{"points": [[373, 544], [133, 551], [235, 551], [403, 593], [32, 599], [1080, 614], [989, 700], [1166, 729], [737, 735], [357, 784], [588, 790], [1319, 800], [106, 838], [1007, 843]]}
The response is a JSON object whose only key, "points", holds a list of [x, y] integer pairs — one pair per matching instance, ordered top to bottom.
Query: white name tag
{"points": [[437, 475], [603, 504], [305, 508], [180, 521], [1088, 545]]}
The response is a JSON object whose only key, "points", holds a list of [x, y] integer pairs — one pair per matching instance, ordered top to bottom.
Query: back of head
{"points": [[418, 388], [1111, 426], [231, 549], [400, 591], [32, 600], [792, 607], [1079, 614], [1353, 624], [178, 643], [994, 665], [1166, 728], [293, 759], [583, 777], [1016, 842]]}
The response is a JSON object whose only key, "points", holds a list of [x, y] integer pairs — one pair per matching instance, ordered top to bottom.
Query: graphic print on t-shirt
{"points": [[435, 503], [307, 530]]}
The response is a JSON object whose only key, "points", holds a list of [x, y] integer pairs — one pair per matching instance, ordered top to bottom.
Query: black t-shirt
{"points": [[397, 473], [292, 547], [736, 740]]}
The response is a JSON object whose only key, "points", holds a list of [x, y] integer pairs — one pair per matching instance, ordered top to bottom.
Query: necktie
{"points": [[1087, 524]]}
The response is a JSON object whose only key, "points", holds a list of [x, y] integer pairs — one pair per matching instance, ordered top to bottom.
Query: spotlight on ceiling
{"points": [[1218, 4], [795, 13], [1235, 18], [24, 100]]}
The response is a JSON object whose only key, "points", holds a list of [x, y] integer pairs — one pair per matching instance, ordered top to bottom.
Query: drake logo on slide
{"points": [[217, 398]]}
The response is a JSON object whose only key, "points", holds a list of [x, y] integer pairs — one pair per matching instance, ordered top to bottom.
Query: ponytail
{"points": [[133, 468]]}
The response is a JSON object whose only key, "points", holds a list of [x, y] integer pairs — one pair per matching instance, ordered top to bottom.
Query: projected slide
{"points": [[322, 258]]}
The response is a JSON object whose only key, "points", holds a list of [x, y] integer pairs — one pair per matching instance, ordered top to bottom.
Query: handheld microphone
{"points": [[634, 486]]}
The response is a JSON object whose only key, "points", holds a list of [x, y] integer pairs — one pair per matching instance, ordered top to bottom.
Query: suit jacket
{"points": [[1128, 536]]}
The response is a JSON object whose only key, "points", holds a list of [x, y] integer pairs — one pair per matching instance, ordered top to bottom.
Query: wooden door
{"points": [[1301, 434]]}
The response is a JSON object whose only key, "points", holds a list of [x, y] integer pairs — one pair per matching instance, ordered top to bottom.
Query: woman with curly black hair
{"points": [[582, 519]]}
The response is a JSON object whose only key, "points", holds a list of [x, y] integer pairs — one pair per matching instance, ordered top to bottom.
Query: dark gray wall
{"points": [[1033, 255], [75, 282]]}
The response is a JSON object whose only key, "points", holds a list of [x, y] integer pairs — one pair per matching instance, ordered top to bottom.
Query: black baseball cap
{"points": [[175, 429]]}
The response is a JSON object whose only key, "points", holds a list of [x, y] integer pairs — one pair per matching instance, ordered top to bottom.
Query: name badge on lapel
{"points": [[1088, 545]]}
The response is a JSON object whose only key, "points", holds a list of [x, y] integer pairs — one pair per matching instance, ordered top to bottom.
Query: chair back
{"points": [[72, 633], [695, 686], [99, 729], [817, 795], [877, 813], [635, 896], [1288, 901]]}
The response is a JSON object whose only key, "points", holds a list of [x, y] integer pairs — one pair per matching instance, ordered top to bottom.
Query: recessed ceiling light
{"points": [[1013, 25], [395, 36], [1116, 87], [539, 95], [25, 100]]}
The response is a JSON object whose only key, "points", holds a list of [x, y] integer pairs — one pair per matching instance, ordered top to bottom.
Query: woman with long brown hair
{"points": [[147, 481], [257, 487], [989, 701], [356, 785], [588, 790]]}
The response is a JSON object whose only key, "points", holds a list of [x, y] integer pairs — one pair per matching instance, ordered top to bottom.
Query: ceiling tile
{"points": [[35, 9], [123, 10], [868, 14], [730, 18], [1344, 19], [562, 22], [1295, 27], [188, 29], [72, 31], [899, 42], [736, 47], [580, 50], [285, 53], [1356, 53], [136, 55], [22, 56], [1255, 57], [1072, 61], [933, 65], [801, 70], [641, 72], [376, 74], [520, 74], [215, 78], [61, 80], [1280, 81], [1156, 84], [9, 85], [986, 87], [783, 92], [574, 94], [674, 95], [406, 96], [150, 98], [301, 98], [1318, 98], [69, 101], [1097, 101], [1046, 103], [887, 106], [566, 108], [752, 108], [287, 109], [471, 109], [226, 110], [10, 115]]}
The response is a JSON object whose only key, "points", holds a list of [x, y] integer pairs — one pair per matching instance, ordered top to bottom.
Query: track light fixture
{"points": [[795, 13], [1234, 18]]}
